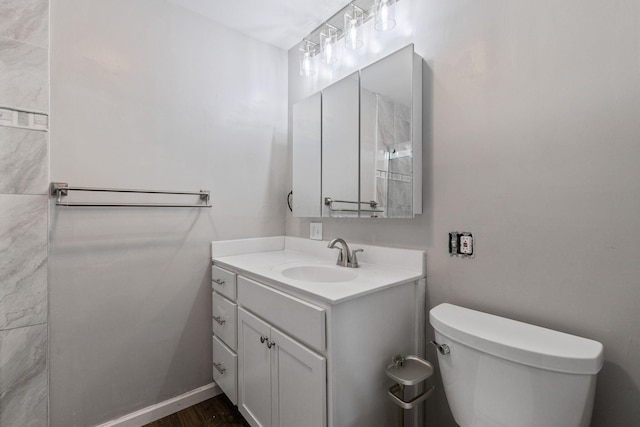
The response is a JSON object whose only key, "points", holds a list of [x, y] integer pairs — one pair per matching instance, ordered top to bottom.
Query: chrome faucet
{"points": [[346, 258]]}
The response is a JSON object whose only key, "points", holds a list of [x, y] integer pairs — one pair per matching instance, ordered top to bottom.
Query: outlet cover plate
{"points": [[315, 231]]}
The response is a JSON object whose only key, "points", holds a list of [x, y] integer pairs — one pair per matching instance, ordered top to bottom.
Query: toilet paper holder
{"points": [[408, 371]]}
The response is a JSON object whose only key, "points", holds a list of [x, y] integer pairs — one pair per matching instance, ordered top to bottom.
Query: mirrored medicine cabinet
{"points": [[357, 144]]}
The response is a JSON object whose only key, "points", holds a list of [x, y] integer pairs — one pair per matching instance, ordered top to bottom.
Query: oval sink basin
{"points": [[319, 273]]}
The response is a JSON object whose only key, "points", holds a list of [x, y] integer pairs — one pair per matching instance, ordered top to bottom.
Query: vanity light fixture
{"points": [[385, 15], [353, 20], [346, 23], [328, 39], [307, 51]]}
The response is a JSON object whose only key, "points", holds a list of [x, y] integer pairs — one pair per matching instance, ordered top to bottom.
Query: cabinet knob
{"points": [[219, 281], [219, 319], [263, 339], [271, 343], [219, 367]]}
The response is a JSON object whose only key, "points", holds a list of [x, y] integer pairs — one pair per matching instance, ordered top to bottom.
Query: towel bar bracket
{"points": [[58, 188]]}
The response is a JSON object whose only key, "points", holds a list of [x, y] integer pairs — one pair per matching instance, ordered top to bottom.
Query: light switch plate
{"points": [[315, 231]]}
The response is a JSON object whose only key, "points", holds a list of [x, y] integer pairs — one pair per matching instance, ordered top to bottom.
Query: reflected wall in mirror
{"points": [[390, 135], [340, 148], [307, 153]]}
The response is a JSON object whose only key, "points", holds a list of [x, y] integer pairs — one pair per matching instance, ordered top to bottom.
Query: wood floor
{"points": [[215, 412]]}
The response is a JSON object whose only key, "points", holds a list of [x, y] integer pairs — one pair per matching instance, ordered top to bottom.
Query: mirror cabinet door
{"points": [[386, 136], [358, 144], [340, 147], [306, 157]]}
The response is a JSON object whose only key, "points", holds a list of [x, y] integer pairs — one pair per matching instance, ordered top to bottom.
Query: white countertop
{"points": [[264, 259]]}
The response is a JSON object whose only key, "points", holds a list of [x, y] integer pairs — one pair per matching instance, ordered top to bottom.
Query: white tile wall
{"points": [[24, 175]]}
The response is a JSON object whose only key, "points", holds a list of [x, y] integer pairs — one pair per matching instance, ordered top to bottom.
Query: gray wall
{"points": [[148, 95], [532, 141], [24, 176]]}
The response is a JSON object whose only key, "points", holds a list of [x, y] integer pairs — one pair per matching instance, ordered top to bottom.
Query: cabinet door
{"points": [[391, 135], [340, 146], [306, 157], [254, 370], [299, 392]]}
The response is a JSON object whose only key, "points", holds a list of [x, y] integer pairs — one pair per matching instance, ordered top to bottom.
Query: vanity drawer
{"points": [[224, 282], [225, 315], [299, 318], [225, 365]]}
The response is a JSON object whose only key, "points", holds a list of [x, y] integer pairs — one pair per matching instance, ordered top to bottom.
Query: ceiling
{"points": [[282, 23]]}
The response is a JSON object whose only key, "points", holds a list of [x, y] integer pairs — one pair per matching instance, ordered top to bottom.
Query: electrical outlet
{"points": [[315, 231], [461, 244], [466, 245]]}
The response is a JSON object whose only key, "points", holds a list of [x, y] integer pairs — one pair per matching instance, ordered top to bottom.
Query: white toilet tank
{"points": [[501, 372]]}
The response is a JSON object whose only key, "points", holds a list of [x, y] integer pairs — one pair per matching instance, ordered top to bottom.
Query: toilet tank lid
{"points": [[517, 341]]}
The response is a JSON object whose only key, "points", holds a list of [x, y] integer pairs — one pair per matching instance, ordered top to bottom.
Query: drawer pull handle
{"points": [[219, 282], [219, 319], [263, 339], [271, 343], [219, 367]]}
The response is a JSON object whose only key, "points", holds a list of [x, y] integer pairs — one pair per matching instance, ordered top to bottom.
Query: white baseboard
{"points": [[159, 410]]}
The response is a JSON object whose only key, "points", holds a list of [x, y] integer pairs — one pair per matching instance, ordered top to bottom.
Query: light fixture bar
{"points": [[336, 21]]}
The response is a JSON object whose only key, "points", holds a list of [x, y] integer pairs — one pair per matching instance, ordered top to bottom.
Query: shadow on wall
{"points": [[427, 151], [78, 230], [130, 307], [191, 337], [616, 407], [437, 411]]}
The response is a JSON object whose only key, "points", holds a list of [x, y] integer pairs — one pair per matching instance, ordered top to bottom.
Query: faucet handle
{"points": [[340, 256], [354, 258]]}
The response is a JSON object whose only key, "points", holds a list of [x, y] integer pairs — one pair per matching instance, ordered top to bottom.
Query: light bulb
{"points": [[385, 15], [352, 22], [328, 37], [306, 66]]}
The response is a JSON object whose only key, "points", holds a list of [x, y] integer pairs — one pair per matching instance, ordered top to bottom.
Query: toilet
{"points": [[501, 372]]}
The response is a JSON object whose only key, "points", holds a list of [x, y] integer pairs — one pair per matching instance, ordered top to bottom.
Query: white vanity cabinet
{"points": [[225, 331], [306, 362], [282, 383]]}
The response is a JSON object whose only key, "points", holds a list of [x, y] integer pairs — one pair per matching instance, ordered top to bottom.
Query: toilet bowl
{"points": [[501, 372]]}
